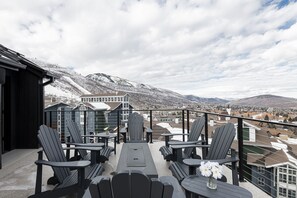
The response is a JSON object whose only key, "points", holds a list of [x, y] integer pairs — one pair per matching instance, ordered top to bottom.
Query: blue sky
{"points": [[208, 48]]}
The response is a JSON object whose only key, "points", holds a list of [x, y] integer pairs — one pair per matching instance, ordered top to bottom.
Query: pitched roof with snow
{"points": [[118, 93]]}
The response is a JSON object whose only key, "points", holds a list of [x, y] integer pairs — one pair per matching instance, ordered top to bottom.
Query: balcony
{"points": [[263, 153]]}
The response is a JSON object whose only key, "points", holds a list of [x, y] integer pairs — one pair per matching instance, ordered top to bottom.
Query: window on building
{"points": [[261, 169], [283, 170], [292, 172], [283, 178], [292, 179], [261, 181], [282, 192], [291, 194]]}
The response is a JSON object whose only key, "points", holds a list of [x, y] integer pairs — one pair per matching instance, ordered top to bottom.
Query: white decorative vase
{"points": [[211, 183]]}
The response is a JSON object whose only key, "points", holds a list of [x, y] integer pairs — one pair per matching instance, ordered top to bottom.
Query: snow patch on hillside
{"points": [[76, 85], [51, 90]]}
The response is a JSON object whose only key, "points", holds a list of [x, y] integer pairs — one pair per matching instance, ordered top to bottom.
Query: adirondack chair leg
{"points": [[124, 138], [149, 138], [166, 141], [68, 151], [177, 155], [234, 169], [192, 170], [39, 174], [81, 176]]}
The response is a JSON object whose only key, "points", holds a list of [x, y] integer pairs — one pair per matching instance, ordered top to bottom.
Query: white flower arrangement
{"points": [[211, 169]]}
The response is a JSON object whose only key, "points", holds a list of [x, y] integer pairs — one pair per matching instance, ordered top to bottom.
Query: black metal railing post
{"points": [[45, 118], [151, 119], [50, 120], [188, 121], [183, 123], [85, 125], [118, 126], [240, 148], [205, 151]]}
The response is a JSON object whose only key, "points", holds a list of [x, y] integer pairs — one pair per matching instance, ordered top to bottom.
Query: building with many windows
{"points": [[114, 99], [55, 116], [91, 117], [274, 172]]}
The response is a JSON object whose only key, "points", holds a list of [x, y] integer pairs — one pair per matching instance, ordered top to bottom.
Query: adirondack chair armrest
{"points": [[172, 134], [89, 135], [185, 143], [86, 144], [189, 146], [89, 148], [197, 162], [72, 164]]}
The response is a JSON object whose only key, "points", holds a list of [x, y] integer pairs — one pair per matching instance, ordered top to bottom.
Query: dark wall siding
{"points": [[10, 91], [30, 116]]}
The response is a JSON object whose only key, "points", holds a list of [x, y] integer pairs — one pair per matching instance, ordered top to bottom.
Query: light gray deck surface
{"points": [[17, 177]]}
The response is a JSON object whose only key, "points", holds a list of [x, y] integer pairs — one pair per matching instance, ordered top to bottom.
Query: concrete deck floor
{"points": [[17, 176]]}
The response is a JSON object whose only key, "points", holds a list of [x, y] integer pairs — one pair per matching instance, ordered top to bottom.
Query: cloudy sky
{"points": [[208, 48]]}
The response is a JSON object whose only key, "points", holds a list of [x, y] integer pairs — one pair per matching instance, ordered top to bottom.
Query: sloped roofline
{"points": [[10, 59], [116, 93]]}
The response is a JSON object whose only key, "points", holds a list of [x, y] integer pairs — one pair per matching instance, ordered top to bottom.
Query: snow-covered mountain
{"points": [[69, 85]]}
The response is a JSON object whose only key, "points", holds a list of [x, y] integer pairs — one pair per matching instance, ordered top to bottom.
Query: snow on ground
{"points": [[76, 85], [51, 90]]}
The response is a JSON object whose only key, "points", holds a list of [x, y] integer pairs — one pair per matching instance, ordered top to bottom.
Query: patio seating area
{"points": [[18, 174]]}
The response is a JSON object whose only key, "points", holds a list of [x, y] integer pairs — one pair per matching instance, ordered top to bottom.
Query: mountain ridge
{"points": [[70, 85], [266, 100]]}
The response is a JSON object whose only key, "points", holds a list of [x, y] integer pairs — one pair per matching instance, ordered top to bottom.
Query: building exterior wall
{"points": [[124, 99], [56, 116], [263, 178], [286, 181]]}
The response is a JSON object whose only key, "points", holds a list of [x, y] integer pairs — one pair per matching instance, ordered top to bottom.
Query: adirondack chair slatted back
{"points": [[135, 126], [195, 132], [76, 136], [221, 142], [52, 147], [132, 184], [121, 185], [140, 185]]}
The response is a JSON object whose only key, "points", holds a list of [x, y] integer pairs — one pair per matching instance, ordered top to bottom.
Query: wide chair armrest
{"points": [[172, 134], [172, 143], [86, 144], [189, 146], [89, 148], [95, 152], [197, 162], [72, 164]]}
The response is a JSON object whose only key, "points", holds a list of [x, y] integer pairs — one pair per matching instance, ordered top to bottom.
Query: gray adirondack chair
{"points": [[136, 129], [77, 140], [217, 152], [177, 155], [70, 182], [135, 184]]}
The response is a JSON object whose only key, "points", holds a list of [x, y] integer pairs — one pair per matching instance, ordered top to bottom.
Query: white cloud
{"points": [[209, 48]]}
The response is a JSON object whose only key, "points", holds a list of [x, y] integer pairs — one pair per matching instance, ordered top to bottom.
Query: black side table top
{"points": [[197, 185]]}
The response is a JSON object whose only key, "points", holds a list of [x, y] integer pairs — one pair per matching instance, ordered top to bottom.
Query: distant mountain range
{"points": [[69, 86], [206, 100], [267, 101]]}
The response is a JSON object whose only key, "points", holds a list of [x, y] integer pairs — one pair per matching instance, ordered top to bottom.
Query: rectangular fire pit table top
{"points": [[137, 156]]}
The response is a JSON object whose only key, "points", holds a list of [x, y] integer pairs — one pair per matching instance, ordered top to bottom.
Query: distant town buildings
{"points": [[114, 99], [93, 113]]}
